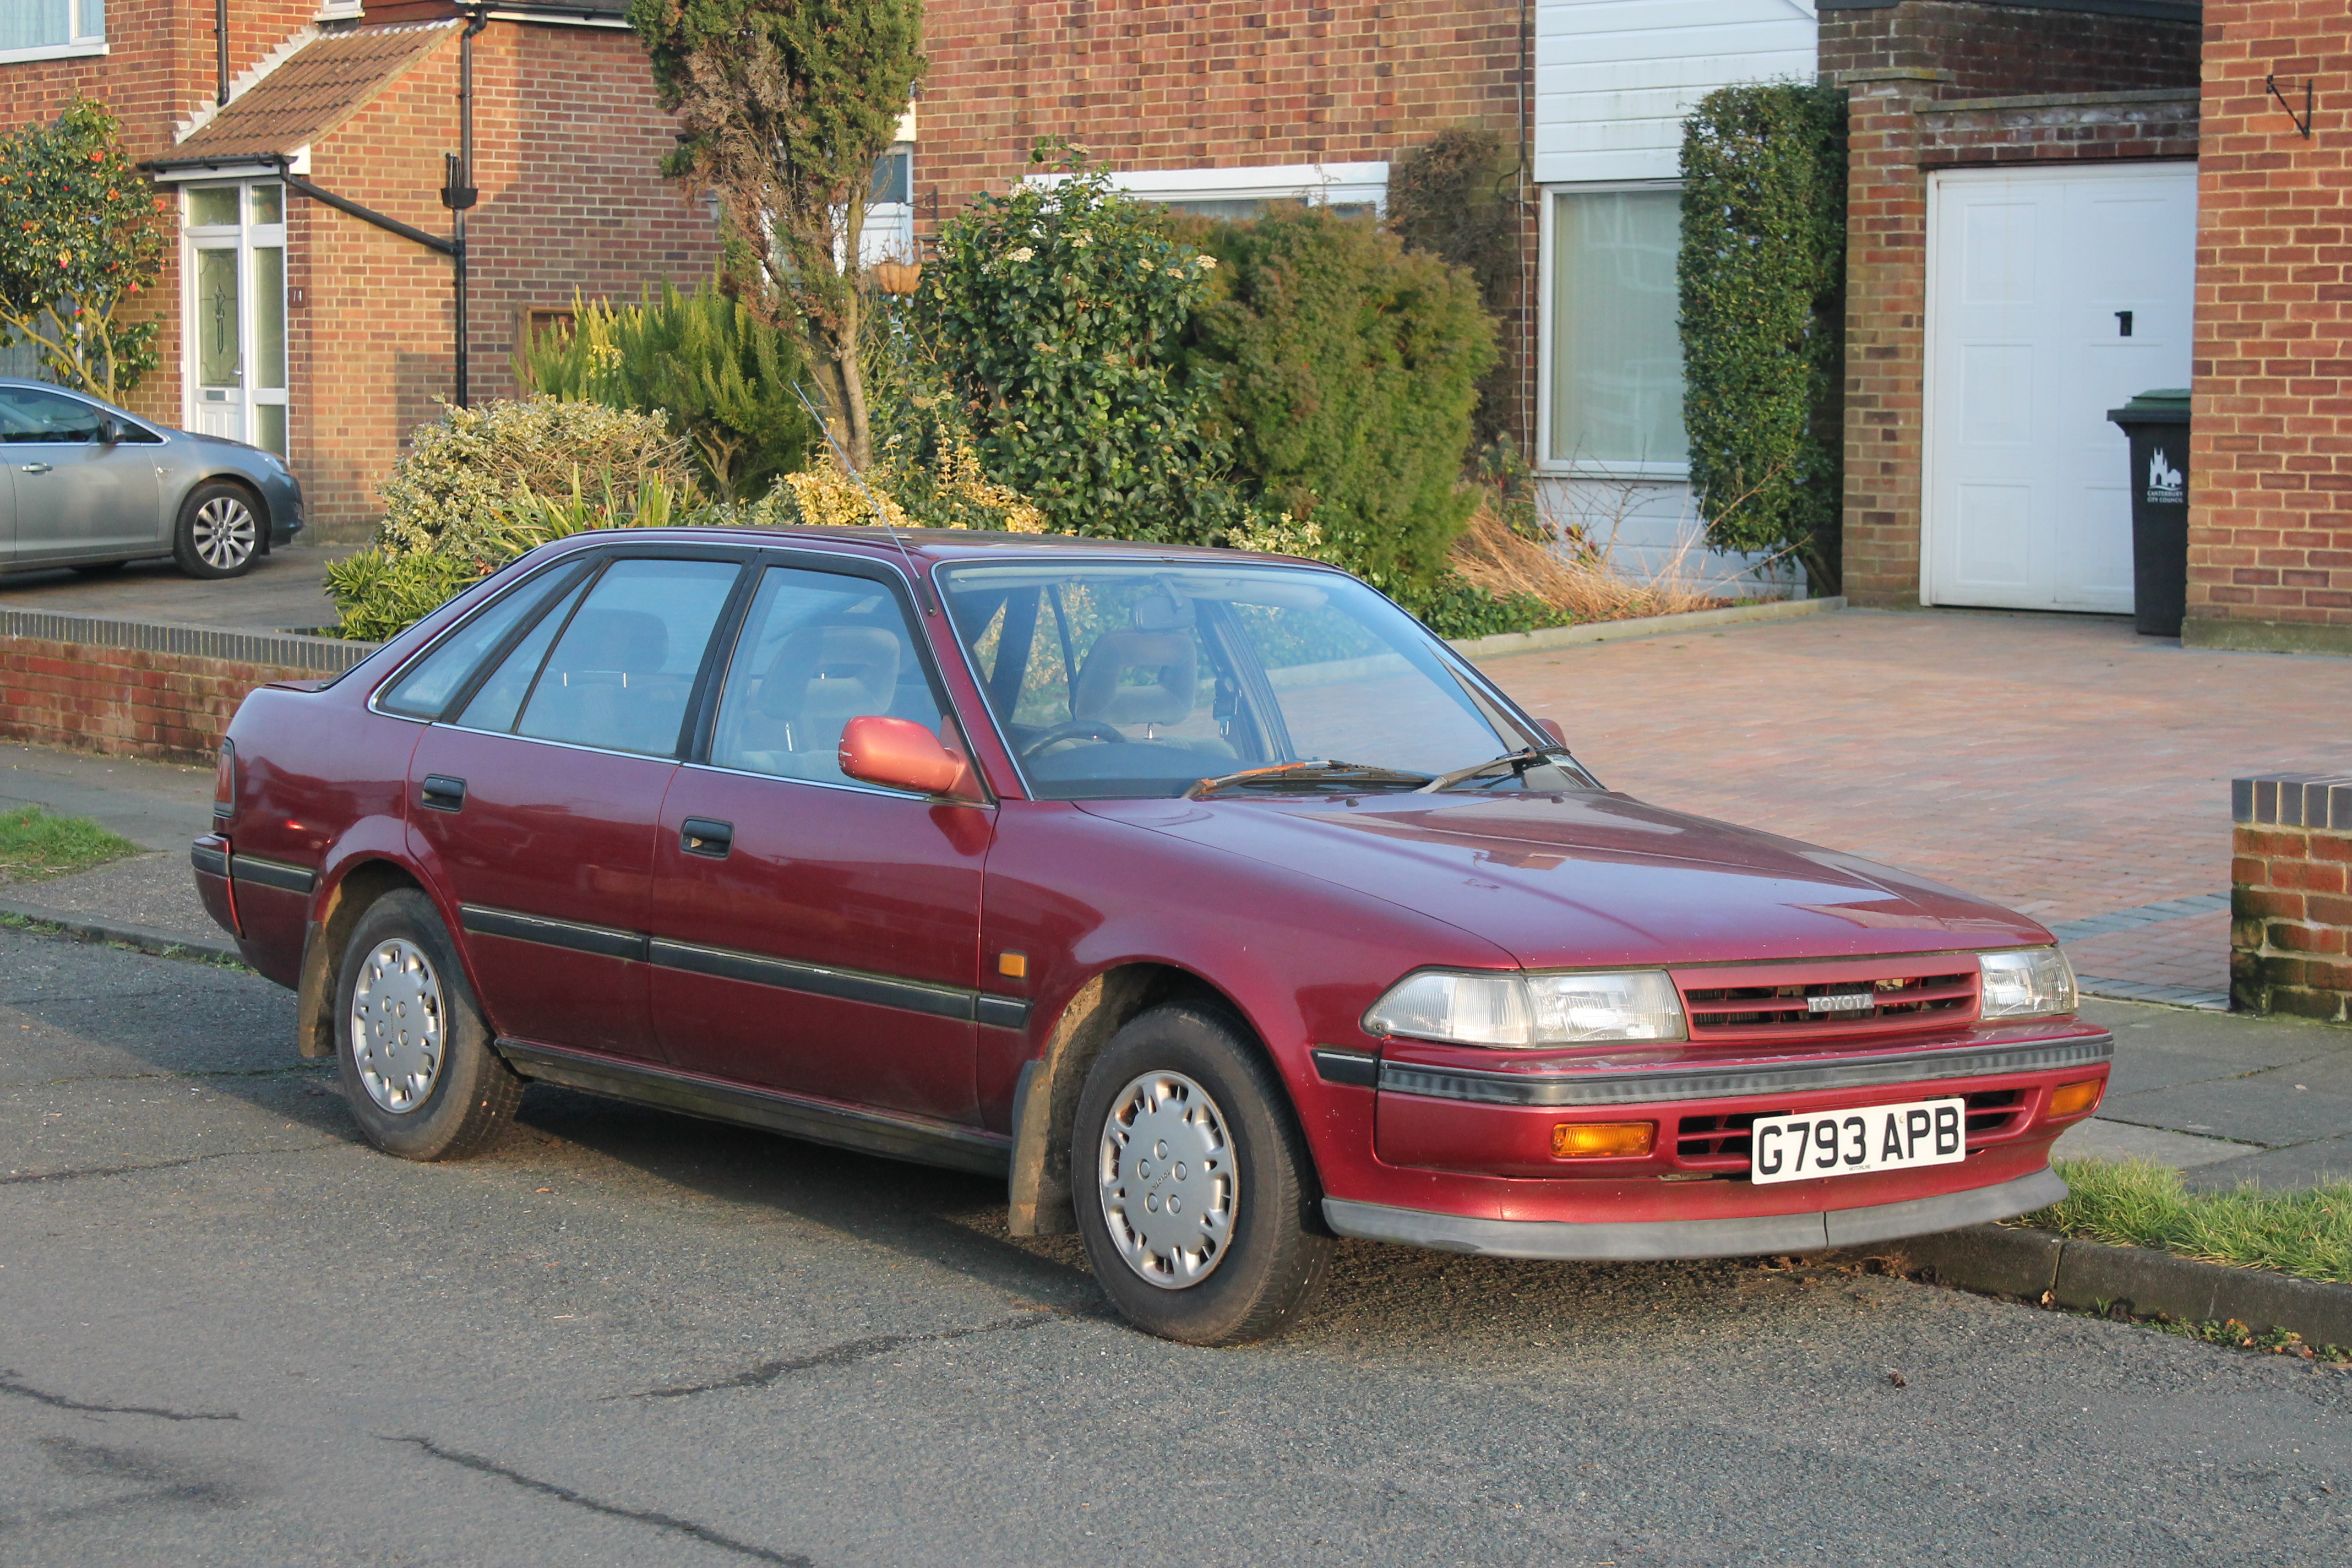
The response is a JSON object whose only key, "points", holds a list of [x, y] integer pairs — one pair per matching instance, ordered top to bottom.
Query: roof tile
{"points": [[318, 87]]}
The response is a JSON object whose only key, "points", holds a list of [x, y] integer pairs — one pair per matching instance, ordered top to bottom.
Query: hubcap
{"points": [[224, 532], [397, 1024], [1170, 1182]]}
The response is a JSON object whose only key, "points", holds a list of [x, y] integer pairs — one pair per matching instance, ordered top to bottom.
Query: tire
{"points": [[219, 532], [418, 1070], [1235, 1150]]}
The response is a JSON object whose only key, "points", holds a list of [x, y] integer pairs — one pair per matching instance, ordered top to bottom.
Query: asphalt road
{"points": [[231, 1334]]}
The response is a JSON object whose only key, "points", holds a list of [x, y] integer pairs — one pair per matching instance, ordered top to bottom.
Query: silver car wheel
{"points": [[224, 532], [399, 1026], [1170, 1182]]}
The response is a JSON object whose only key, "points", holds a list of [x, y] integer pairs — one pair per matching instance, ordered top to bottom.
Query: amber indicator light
{"points": [[1012, 965], [2074, 1099], [1603, 1140]]}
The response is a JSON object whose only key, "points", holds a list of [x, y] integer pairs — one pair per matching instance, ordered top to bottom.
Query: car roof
{"points": [[941, 544]]}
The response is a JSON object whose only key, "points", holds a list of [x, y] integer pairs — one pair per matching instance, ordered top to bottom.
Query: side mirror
{"points": [[109, 430], [1551, 727], [897, 754]]}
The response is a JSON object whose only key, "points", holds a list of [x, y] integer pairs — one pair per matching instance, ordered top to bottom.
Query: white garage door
{"points": [[2054, 295]]}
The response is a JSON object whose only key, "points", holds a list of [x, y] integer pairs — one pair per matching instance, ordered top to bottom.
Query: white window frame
{"points": [[336, 10], [80, 39], [1317, 184], [1547, 318]]}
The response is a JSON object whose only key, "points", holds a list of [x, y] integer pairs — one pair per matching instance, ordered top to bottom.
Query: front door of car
{"points": [[76, 495], [536, 799], [812, 933]]}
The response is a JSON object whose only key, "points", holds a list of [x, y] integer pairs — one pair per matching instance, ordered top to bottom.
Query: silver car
{"points": [[90, 486]]}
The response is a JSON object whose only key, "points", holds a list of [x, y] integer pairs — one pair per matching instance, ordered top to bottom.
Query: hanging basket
{"points": [[897, 277]]}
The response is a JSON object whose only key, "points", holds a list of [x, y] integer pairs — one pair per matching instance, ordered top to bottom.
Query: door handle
{"points": [[37, 467], [442, 792], [702, 836]]}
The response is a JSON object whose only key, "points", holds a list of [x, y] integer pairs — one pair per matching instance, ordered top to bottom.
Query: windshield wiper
{"points": [[1518, 762], [1317, 770]]}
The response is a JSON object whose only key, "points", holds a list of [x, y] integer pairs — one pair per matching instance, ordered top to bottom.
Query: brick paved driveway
{"points": [[2058, 763]]}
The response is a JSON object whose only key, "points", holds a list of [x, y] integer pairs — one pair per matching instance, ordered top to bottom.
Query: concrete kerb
{"points": [[1552, 637], [146, 939], [2089, 1275]]}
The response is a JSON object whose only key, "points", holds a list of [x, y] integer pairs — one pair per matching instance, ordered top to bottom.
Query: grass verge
{"points": [[35, 845], [2132, 1202]]}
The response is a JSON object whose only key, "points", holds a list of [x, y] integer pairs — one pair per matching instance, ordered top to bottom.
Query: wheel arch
{"points": [[332, 919], [1046, 1101]]}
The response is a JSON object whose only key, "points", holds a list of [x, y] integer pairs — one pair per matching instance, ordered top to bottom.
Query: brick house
{"points": [[303, 328]]}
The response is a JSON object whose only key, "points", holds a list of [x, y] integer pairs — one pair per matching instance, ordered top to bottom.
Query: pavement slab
{"points": [[626, 1336]]}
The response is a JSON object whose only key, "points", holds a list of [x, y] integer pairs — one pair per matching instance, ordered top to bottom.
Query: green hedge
{"points": [[1761, 275]]}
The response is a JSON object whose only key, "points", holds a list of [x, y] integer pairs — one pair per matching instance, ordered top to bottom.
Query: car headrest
{"points": [[628, 640], [833, 672], [1104, 693]]}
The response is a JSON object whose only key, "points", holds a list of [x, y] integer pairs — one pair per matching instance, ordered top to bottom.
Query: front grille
{"points": [[1887, 1001], [1994, 1110]]}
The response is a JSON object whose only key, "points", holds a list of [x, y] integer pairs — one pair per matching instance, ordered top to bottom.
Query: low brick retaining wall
{"points": [[137, 688], [2290, 905]]}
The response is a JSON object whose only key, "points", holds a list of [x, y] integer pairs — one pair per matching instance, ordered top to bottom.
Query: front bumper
{"points": [[1716, 1238]]}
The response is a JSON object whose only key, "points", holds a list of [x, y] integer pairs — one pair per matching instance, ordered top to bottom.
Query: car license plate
{"points": [[1814, 1144]]}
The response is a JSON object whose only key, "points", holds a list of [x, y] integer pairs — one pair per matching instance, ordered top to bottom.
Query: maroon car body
{"points": [[928, 977]]}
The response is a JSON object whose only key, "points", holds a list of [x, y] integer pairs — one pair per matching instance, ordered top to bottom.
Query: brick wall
{"points": [[1214, 84], [1939, 84], [2270, 505], [2290, 905]]}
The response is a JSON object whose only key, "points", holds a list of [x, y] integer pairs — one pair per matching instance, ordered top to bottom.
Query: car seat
{"points": [[821, 678], [605, 686]]}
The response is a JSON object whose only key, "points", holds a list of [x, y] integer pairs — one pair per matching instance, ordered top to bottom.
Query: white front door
{"points": [[233, 288], [2054, 295]]}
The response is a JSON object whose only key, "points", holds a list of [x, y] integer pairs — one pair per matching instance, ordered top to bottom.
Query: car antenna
{"points": [[881, 512]]}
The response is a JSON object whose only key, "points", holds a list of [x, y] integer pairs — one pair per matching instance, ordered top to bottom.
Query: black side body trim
{"points": [[207, 859], [271, 874], [603, 940], [816, 980], [1001, 1012], [1358, 1069], [1725, 1083], [868, 1131]]}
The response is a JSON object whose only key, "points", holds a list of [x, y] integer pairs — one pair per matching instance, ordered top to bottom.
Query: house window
{"points": [[42, 29], [1350, 189], [889, 231], [233, 276], [544, 320], [1615, 387]]}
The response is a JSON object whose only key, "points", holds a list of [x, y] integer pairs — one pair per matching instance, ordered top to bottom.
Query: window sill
{"points": [[52, 52], [1636, 473]]}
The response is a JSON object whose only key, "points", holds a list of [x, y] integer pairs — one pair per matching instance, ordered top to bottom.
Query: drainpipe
{"points": [[220, 48], [459, 193]]}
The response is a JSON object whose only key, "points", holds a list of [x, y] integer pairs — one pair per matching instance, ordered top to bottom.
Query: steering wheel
{"points": [[1075, 731]]}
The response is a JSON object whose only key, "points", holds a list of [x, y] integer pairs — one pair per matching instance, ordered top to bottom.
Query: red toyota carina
{"points": [[1207, 897]]}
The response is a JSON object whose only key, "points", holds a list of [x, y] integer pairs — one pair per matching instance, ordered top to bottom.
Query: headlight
{"points": [[2028, 982], [1482, 1008]]}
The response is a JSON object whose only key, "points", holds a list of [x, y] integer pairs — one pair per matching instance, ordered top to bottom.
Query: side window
{"points": [[30, 415], [818, 650], [623, 669], [431, 681], [498, 701]]}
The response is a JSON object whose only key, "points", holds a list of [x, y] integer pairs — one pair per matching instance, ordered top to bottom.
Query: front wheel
{"points": [[218, 533], [412, 1048], [1197, 1200]]}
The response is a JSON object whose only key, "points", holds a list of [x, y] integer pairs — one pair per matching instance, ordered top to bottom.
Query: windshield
{"points": [[1114, 679]]}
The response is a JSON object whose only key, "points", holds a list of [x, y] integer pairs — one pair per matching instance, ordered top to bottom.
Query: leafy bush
{"points": [[1456, 197], [81, 235], [1762, 267], [1057, 315], [1346, 368], [723, 377], [455, 490]]}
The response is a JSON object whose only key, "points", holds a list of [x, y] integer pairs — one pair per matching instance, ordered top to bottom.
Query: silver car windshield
{"points": [[1149, 679]]}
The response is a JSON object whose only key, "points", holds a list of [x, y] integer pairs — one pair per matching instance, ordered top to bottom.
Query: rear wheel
{"points": [[219, 532], [411, 1045], [1196, 1197]]}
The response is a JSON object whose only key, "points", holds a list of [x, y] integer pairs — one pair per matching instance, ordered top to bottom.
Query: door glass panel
{"points": [[268, 203], [214, 208], [269, 316], [216, 317], [26, 415], [269, 427], [818, 650], [623, 670], [426, 690]]}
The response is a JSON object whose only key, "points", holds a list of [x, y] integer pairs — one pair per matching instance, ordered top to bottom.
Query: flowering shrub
{"points": [[82, 236]]}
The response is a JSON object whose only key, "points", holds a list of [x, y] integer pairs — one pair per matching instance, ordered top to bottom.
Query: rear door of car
{"points": [[536, 794], [813, 933]]}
